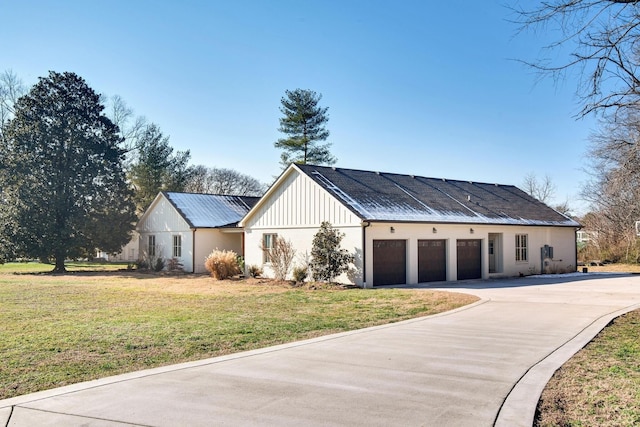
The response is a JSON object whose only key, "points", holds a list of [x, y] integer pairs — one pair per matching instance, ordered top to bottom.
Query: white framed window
{"points": [[268, 241], [152, 246], [177, 246], [522, 252]]}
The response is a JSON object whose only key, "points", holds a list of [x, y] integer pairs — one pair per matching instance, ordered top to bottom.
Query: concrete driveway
{"points": [[482, 365]]}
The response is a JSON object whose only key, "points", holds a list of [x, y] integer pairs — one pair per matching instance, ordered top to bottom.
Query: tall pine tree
{"points": [[304, 124], [157, 168], [61, 174]]}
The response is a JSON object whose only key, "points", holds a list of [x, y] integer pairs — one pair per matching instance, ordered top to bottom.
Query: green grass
{"points": [[32, 267], [61, 329], [600, 385]]}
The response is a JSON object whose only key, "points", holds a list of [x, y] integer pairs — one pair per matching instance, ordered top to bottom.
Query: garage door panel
{"points": [[469, 259], [432, 261], [389, 262]]}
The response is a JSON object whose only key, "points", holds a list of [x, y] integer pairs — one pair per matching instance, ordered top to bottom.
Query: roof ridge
{"points": [[338, 169]]}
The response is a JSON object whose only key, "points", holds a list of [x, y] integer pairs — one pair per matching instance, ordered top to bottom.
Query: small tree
{"points": [[280, 254], [328, 260]]}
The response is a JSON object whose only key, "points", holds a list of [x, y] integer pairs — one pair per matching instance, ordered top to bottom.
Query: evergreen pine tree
{"points": [[304, 124]]}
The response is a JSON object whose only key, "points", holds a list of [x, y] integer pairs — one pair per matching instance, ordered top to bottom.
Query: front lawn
{"points": [[62, 329], [600, 385]]}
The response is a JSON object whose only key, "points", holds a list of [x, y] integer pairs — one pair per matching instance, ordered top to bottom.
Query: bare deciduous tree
{"points": [[603, 37], [11, 88], [132, 128], [224, 181], [543, 189], [614, 190], [281, 255]]}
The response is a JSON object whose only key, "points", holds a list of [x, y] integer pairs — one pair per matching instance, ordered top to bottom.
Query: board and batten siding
{"points": [[300, 202], [294, 211]]}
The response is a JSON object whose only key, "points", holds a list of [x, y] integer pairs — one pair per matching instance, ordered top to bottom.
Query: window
{"points": [[268, 241], [152, 246], [177, 246], [521, 247]]}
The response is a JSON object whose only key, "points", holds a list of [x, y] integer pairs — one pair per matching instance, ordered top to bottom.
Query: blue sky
{"points": [[417, 87]]}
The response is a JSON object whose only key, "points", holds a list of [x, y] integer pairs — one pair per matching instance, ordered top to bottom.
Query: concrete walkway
{"points": [[482, 365]]}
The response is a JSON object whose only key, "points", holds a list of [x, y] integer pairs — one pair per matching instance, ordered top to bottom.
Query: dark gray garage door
{"points": [[432, 261], [389, 262], [469, 263]]}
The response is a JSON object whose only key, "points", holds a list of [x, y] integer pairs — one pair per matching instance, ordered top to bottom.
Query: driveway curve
{"points": [[481, 365]]}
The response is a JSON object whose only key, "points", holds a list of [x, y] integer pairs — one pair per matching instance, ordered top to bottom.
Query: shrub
{"points": [[281, 255], [328, 260], [142, 264], [174, 264], [222, 264], [158, 265], [255, 271], [299, 273]]}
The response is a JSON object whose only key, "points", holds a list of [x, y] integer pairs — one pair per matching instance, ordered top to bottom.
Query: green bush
{"points": [[328, 260], [158, 265]]}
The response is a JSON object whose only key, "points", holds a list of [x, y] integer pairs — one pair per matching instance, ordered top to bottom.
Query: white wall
{"points": [[296, 207], [294, 211], [163, 221], [561, 238], [208, 240], [301, 240]]}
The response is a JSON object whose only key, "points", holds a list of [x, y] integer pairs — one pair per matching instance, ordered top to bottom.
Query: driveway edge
{"points": [[85, 385], [519, 407]]}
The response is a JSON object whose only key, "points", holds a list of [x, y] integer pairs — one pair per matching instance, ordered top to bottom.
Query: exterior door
{"points": [[492, 256], [469, 259], [432, 261], [389, 262]]}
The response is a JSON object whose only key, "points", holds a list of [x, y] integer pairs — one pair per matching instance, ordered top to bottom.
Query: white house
{"points": [[189, 227], [411, 229], [128, 253]]}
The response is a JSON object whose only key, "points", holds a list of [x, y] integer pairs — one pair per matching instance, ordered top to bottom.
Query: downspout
{"points": [[575, 247], [193, 250], [364, 253]]}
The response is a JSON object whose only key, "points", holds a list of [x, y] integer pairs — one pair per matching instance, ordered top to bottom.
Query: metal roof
{"points": [[376, 196], [210, 210]]}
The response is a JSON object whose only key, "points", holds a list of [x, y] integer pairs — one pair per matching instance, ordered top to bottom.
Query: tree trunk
{"points": [[59, 268]]}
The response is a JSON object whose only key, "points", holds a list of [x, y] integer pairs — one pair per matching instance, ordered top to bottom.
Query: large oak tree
{"points": [[61, 174]]}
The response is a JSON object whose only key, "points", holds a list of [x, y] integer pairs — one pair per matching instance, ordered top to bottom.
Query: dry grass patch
{"points": [[614, 268], [61, 329], [600, 385]]}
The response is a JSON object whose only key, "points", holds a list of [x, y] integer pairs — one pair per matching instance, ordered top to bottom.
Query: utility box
{"points": [[546, 256]]}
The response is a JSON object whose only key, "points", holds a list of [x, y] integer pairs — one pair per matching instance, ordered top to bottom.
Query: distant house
{"points": [[189, 227], [412, 229]]}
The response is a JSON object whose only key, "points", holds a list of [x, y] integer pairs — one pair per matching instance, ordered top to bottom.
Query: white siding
{"points": [[300, 202], [295, 208], [294, 211], [163, 221]]}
